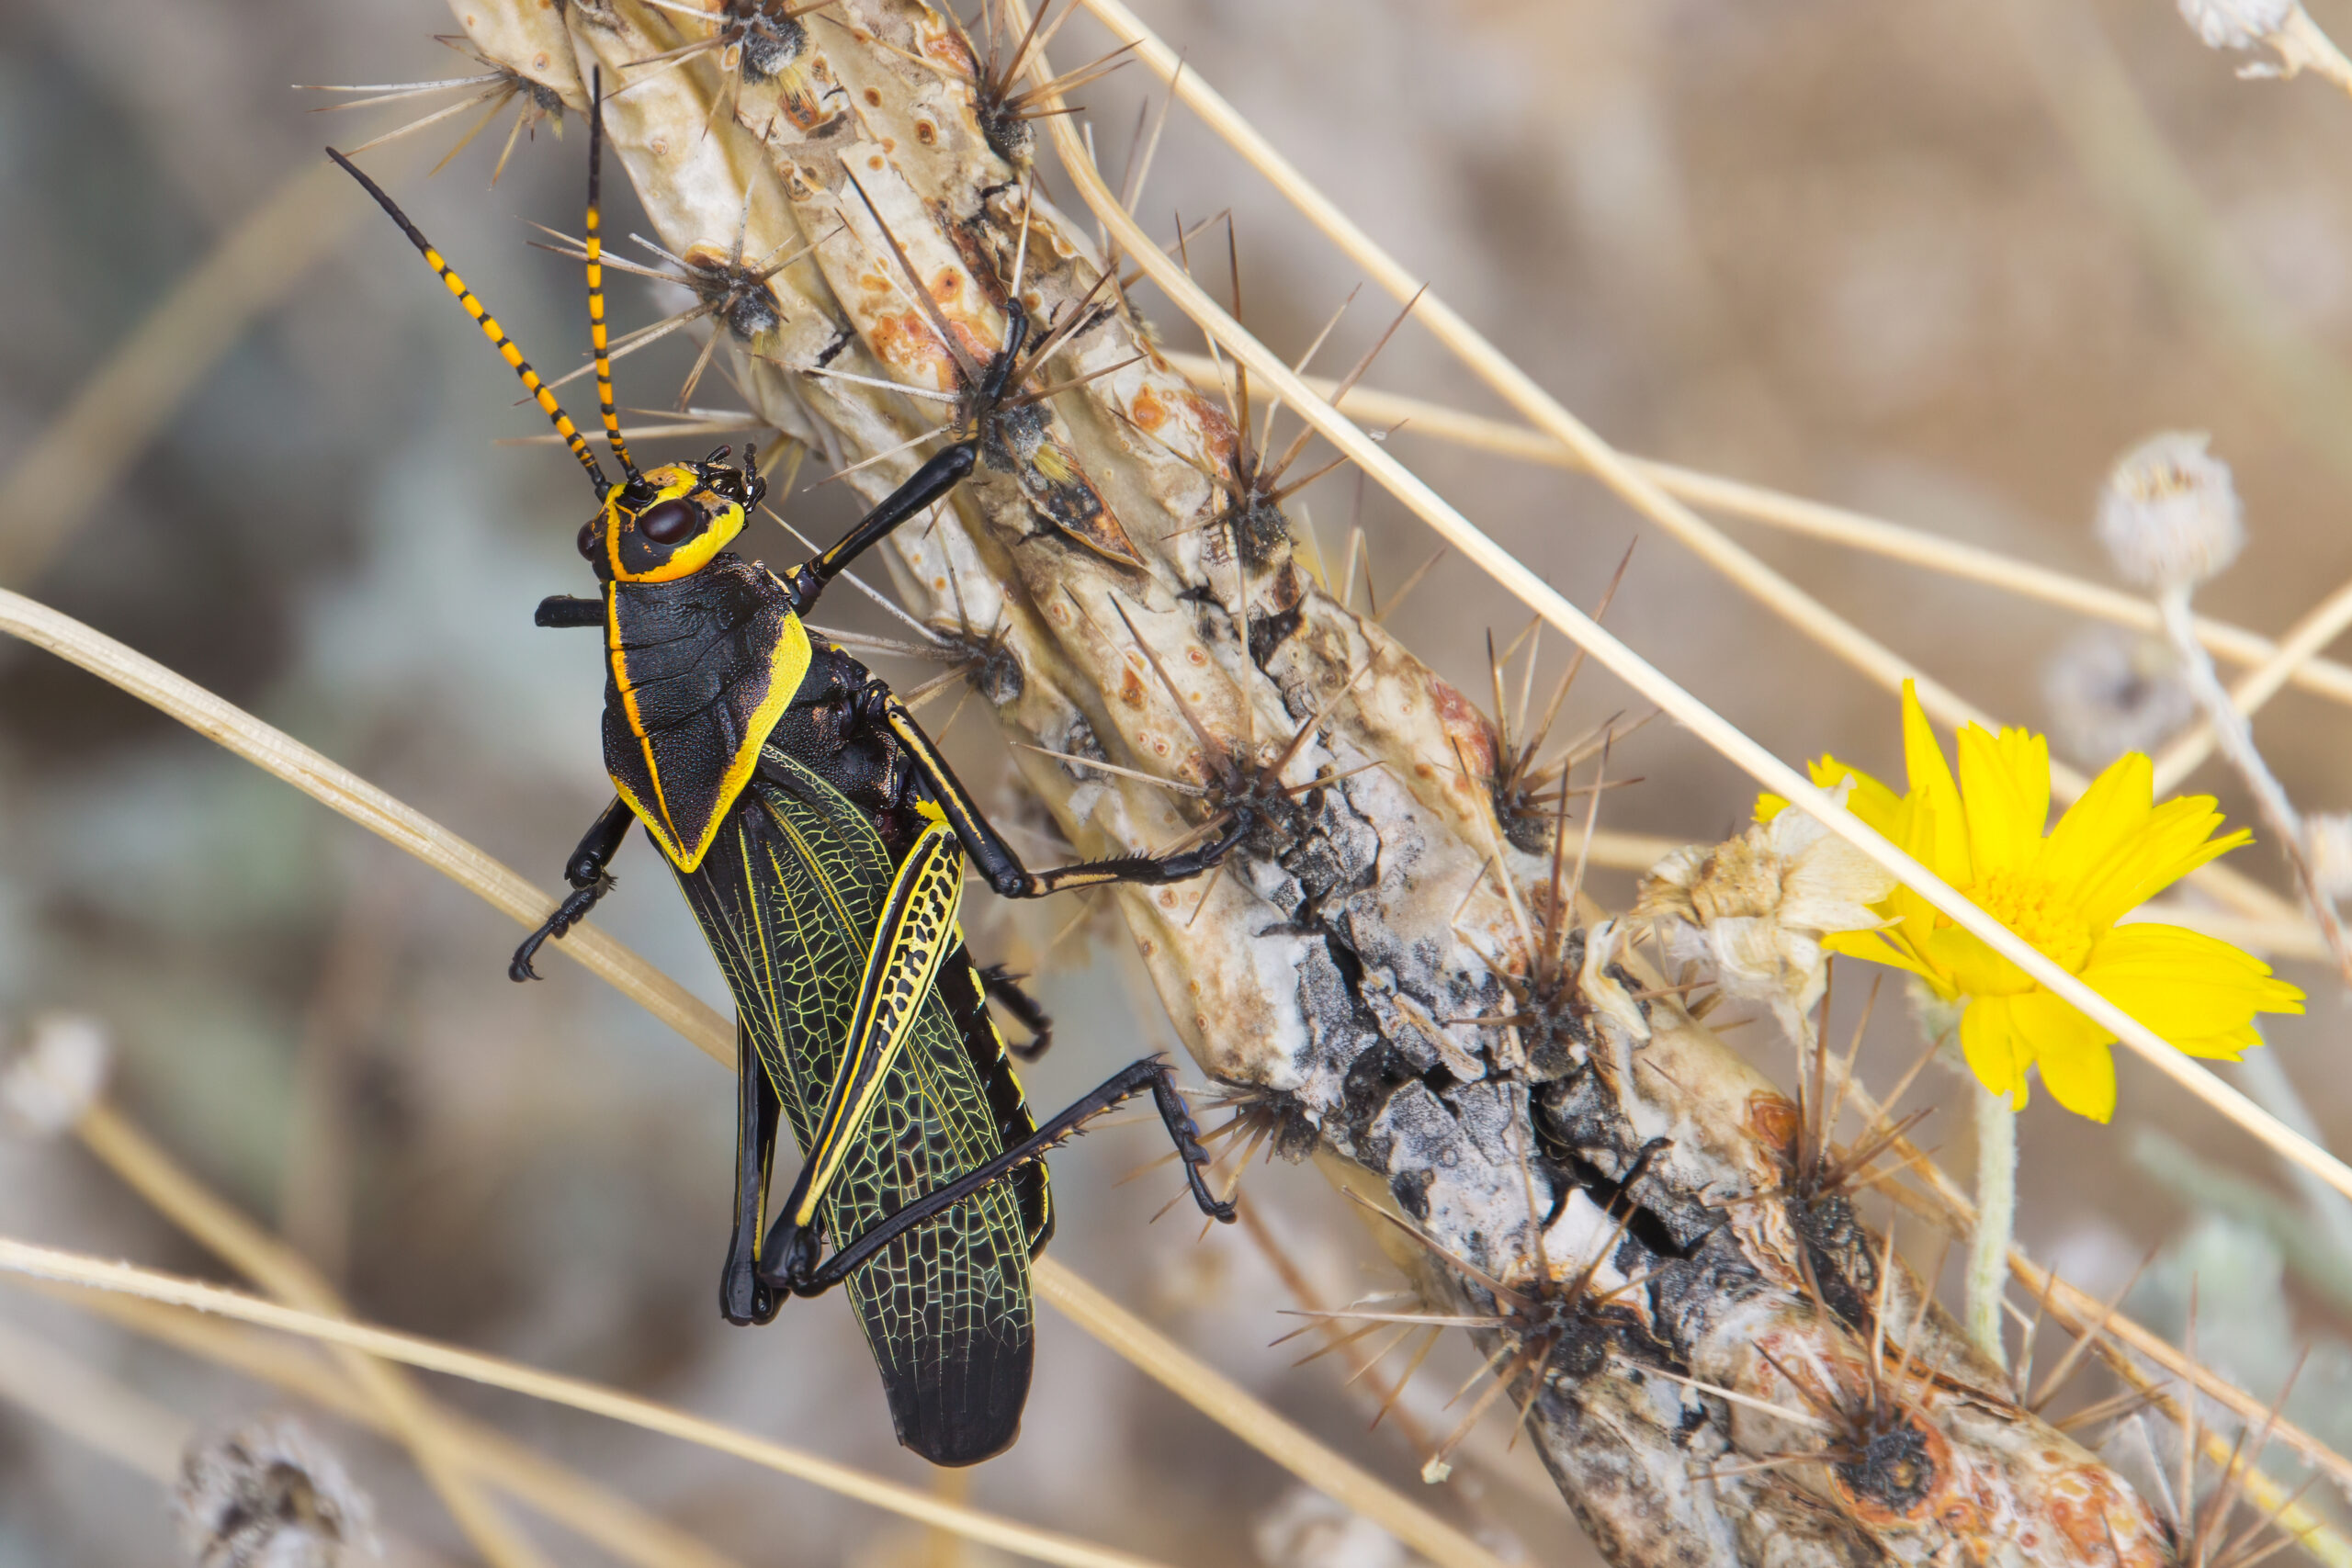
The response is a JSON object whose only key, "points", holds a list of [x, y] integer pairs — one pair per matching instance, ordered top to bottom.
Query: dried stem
{"points": [[1819, 520], [2297, 651], [2232, 733], [176, 1194], [427, 1355], [1231, 1406], [455, 1442], [588, 1508]]}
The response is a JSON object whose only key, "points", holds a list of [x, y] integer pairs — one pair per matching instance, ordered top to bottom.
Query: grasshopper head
{"points": [[674, 521]]}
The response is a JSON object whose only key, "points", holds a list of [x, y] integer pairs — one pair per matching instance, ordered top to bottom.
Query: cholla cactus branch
{"points": [[1375, 899]]}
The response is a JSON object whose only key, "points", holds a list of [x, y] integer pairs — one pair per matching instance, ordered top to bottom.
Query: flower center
{"points": [[2037, 909]]}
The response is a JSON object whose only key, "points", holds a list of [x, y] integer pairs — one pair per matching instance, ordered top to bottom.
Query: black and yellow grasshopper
{"points": [[820, 841]]}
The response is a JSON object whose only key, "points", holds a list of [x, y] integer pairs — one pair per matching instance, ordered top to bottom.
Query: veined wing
{"points": [[789, 897]]}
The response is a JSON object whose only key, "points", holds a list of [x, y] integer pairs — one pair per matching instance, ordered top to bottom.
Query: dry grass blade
{"points": [[1816, 520], [1645, 678], [274, 751], [702, 1027], [245, 1246], [1225, 1401], [91, 1407], [103, 1415], [589, 1509], [989, 1530]]}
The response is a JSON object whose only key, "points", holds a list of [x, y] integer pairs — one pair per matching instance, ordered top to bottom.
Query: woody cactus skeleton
{"points": [[1597, 1181]]}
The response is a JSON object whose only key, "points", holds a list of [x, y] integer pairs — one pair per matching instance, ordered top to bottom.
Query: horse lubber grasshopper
{"points": [[820, 841]]}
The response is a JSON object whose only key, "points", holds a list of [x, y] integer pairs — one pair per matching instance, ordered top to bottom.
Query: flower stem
{"points": [[1997, 1211]]}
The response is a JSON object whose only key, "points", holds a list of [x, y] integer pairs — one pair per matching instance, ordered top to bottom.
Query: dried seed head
{"points": [[2236, 24], [2169, 515], [2111, 692], [2327, 839], [1756, 906], [46, 1086], [268, 1494], [1306, 1529]]}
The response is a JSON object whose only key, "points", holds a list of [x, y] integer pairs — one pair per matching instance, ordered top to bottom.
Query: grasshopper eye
{"points": [[669, 523], [591, 534]]}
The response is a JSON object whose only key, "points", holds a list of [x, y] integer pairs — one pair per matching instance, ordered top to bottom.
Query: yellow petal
{"points": [[2005, 781], [1931, 783], [1871, 800], [2115, 806], [2174, 840], [1875, 947], [1974, 966], [2184, 983], [2050, 1022], [2228, 1047], [1996, 1053], [2081, 1079]]}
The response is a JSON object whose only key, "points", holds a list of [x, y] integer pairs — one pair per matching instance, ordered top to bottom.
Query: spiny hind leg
{"points": [[804, 1277]]}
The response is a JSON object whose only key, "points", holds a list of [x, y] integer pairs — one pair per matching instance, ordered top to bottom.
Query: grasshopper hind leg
{"points": [[798, 1272], [743, 1297]]}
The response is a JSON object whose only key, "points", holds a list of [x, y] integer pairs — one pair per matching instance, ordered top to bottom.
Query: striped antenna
{"points": [[595, 249], [489, 328]]}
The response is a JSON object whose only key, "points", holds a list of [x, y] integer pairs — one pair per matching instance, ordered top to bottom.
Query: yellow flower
{"points": [[2112, 851]]}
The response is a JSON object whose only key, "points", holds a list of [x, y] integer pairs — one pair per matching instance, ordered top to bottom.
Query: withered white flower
{"points": [[2236, 24], [2169, 515], [2111, 690], [1756, 907], [46, 1086], [266, 1494]]}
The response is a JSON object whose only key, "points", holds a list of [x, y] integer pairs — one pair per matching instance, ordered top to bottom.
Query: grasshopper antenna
{"points": [[593, 244], [489, 328]]}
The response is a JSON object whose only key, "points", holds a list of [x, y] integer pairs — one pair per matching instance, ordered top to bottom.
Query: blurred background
{"points": [[1939, 263]]}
